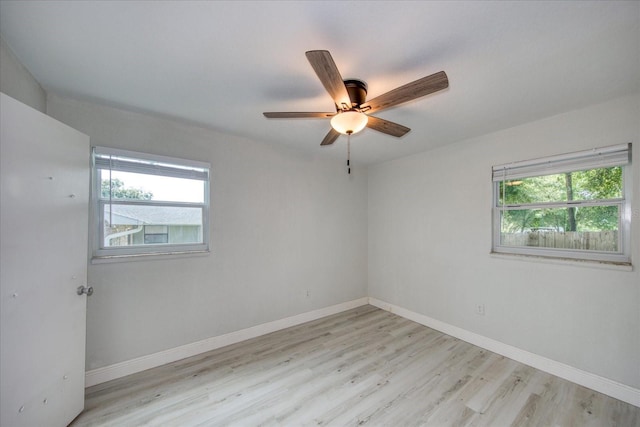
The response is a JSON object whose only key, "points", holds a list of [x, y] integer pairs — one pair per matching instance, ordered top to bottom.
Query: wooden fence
{"points": [[582, 240]]}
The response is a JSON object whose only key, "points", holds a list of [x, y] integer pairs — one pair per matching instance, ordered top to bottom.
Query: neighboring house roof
{"points": [[152, 215]]}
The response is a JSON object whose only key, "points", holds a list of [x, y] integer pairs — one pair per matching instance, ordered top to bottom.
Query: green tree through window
{"points": [[119, 191]]}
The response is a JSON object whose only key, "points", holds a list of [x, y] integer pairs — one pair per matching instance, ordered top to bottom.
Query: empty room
{"points": [[287, 213]]}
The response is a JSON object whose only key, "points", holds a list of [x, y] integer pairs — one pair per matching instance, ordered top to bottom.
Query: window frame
{"points": [[616, 155], [100, 251]]}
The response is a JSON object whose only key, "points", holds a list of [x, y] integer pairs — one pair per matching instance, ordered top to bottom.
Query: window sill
{"points": [[109, 259], [607, 265]]}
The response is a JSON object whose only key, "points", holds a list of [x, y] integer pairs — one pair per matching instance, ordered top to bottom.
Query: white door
{"points": [[44, 190]]}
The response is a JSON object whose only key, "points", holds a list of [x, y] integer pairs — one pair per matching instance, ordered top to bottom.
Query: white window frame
{"points": [[616, 155], [153, 165]]}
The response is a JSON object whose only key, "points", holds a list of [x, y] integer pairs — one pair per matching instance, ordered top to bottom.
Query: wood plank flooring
{"points": [[361, 367]]}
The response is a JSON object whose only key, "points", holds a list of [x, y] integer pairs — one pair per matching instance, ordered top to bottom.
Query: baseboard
{"points": [[118, 370], [595, 382]]}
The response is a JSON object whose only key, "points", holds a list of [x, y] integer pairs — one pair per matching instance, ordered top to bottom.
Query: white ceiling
{"points": [[221, 64]]}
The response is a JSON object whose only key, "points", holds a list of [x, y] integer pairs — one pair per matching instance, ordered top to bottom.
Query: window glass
{"points": [[593, 184], [128, 185], [595, 228]]}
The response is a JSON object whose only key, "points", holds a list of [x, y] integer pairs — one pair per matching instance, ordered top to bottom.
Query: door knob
{"points": [[85, 290]]}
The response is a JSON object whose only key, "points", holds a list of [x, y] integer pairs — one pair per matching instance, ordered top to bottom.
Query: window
{"points": [[146, 204], [569, 206], [156, 234]]}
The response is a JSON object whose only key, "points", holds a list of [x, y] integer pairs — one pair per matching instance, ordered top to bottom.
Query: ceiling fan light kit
{"points": [[349, 96], [349, 122]]}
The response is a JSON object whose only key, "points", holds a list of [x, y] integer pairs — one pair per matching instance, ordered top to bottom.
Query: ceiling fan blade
{"points": [[328, 73], [413, 90], [301, 115], [385, 126], [331, 137]]}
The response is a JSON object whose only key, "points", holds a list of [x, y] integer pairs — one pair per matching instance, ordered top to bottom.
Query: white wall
{"points": [[17, 82], [283, 222], [430, 239]]}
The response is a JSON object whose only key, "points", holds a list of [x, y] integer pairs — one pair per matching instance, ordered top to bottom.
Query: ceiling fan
{"points": [[352, 110]]}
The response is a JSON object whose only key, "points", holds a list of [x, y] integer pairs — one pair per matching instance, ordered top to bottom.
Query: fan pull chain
{"points": [[348, 152], [110, 191], [504, 198]]}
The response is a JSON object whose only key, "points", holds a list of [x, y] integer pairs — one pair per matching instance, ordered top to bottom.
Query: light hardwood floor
{"points": [[361, 367]]}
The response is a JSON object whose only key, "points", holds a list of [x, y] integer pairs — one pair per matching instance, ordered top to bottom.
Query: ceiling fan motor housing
{"points": [[357, 90]]}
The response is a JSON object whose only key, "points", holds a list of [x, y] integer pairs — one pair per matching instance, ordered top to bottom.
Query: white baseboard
{"points": [[128, 367], [595, 382]]}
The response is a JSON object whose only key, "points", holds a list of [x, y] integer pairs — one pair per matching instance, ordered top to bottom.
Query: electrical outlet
{"points": [[480, 309]]}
